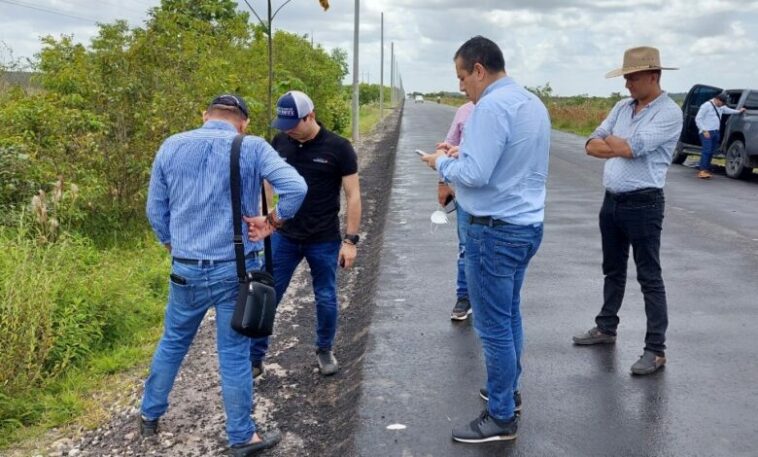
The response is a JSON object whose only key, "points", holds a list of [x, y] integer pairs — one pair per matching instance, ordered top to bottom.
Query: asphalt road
{"points": [[423, 371]]}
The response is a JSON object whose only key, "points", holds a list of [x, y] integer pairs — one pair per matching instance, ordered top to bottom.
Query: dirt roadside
{"points": [[315, 414]]}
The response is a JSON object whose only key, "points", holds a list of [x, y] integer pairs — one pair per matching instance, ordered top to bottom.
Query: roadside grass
{"points": [[580, 115], [368, 118], [73, 317], [77, 318]]}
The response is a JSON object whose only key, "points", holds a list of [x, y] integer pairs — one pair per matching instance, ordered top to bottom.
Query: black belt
{"points": [[639, 194], [487, 220], [207, 262]]}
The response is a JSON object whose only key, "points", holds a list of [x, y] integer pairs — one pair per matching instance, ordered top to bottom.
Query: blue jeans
{"points": [[709, 147], [462, 220], [322, 258], [496, 262], [207, 285]]}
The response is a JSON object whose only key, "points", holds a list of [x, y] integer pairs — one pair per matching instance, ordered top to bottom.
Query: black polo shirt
{"points": [[322, 162]]}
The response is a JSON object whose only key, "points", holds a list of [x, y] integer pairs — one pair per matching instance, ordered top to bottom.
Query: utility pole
{"points": [[381, 72], [392, 74], [356, 90]]}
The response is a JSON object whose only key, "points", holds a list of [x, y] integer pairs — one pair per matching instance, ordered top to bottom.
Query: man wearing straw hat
{"points": [[637, 141]]}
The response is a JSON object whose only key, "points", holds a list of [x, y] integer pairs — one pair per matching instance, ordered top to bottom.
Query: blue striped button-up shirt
{"points": [[652, 135], [501, 169], [189, 200]]}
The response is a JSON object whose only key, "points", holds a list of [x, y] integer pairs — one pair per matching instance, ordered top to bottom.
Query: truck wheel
{"points": [[679, 155], [737, 160]]}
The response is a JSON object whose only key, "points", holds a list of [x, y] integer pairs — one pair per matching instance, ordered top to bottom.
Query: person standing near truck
{"points": [[708, 121]]}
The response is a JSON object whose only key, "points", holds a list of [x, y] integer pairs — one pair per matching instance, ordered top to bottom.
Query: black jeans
{"points": [[634, 219]]}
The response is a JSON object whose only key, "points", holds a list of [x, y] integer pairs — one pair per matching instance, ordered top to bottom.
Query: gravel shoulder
{"points": [[315, 414]]}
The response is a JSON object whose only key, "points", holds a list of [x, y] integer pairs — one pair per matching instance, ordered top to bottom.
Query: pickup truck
{"points": [[739, 132]]}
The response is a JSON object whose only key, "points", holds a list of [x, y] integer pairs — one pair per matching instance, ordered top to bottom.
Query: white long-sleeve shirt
{"points": [[709, 116]]}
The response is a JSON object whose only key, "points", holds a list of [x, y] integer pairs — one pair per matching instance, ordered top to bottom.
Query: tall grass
{"points": [[578, 115], [368, 118], [69, 310]]}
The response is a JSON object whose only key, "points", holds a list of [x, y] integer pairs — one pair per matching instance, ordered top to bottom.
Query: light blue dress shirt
{"points": [[652, 135], [501, 169], [189, 200]]}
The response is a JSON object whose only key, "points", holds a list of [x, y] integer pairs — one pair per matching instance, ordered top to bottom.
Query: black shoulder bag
{"points": [[256, 303]]}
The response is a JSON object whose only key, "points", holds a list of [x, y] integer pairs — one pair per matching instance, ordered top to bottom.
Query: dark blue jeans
{"points": [[709, 147], [634, 219], [462, 221], [322, 259], [496, 262]]}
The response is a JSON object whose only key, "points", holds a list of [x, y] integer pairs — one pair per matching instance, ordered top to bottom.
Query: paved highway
{"points": [[423, 371]]}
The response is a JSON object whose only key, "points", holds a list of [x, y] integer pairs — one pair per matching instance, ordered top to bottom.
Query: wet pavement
{"points": [[423, 371]]}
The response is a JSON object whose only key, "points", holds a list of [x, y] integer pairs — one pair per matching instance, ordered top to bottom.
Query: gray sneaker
{"points": [[461, 310], [594, 336], [327, 363], [648, 363], [148, 428], [486, 428]]}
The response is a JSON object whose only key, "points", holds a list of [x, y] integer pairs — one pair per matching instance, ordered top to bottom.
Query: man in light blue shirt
{"points": [[708, 121], [637, 142], [500, 172], [189, 207]]}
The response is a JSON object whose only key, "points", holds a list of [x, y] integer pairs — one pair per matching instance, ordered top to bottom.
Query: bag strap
{"points": [[718, 113], [234, 181], [235, 184], [269, 265]]}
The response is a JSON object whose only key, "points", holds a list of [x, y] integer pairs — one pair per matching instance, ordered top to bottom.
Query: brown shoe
{"points": [[704, 174], [593, 336]]}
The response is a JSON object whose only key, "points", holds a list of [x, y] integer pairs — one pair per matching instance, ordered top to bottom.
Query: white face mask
{"points": [[439, 217]]}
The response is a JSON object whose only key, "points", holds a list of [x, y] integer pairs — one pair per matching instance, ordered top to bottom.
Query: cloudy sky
{"points": [[569, 43]]}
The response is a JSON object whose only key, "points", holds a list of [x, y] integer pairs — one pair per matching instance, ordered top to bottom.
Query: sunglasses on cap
{"points": [[231, 100]]}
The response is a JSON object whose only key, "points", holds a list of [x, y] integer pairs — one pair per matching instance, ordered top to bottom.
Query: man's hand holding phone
{"points": [[430, 159]]}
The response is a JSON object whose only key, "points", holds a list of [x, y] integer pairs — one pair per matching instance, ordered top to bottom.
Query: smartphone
{"points": [[420, 152], [176, 279]]}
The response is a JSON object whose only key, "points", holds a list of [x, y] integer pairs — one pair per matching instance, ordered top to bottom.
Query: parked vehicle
{"points": [[419, 99], [739, 132]]}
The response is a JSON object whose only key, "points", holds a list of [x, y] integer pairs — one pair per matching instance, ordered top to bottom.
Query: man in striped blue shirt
{"points": [[637, 142], [189, 208]]}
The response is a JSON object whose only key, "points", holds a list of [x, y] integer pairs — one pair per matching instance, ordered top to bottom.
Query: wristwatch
{"points": [[352, 239]]}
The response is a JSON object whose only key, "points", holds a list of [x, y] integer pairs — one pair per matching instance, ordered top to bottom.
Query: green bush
{"points": [[102, 111], [82, 281], [64, 303]]}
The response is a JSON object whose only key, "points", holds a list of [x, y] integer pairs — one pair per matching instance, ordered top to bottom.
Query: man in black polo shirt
{"points": [[327, 162]]}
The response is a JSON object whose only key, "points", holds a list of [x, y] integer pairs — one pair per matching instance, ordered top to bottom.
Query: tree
{"points": [[268, 27], [105, 108]]}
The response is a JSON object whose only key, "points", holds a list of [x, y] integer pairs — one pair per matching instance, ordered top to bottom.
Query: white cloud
{"points": [[569, 43]]}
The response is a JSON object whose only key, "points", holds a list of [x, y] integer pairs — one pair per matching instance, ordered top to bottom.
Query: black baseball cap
{"points": [[232, 100]]}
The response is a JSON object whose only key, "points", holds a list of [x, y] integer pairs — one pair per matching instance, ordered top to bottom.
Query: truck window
{"points": [[701, 95], [751, 102]]}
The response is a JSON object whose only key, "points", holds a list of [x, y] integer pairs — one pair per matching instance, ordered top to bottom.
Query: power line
{"points": [[111, 4], [49, 10]]}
